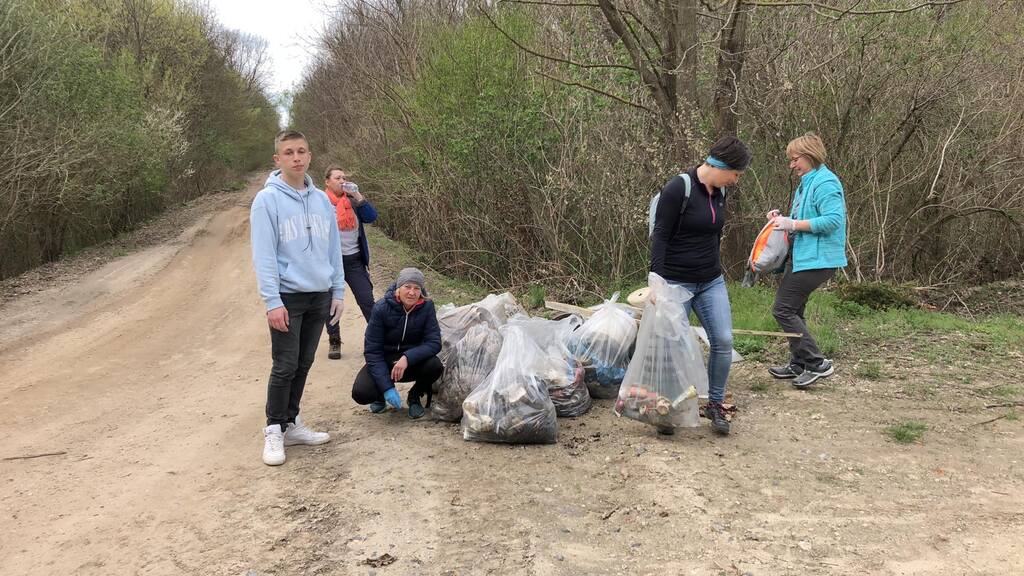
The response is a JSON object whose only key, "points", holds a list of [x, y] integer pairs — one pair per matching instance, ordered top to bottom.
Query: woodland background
{"points": [[518, 143]]}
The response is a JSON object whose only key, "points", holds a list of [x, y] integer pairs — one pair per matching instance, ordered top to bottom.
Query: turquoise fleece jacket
{"points": [[820, 199]]}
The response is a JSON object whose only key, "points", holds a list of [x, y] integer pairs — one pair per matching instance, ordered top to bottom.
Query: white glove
{"points": [[772, 214], [785, 223], [337, 306]]}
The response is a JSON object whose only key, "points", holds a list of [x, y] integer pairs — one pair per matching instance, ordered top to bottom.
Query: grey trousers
{"points": [[790, 302]]}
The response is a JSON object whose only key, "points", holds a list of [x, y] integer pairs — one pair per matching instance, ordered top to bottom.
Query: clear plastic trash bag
{"points": [[603, 345], [558, 368], [667, 372], [512, 405]]}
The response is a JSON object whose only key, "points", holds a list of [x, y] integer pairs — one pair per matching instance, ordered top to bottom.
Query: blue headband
{"points": [[716, 163]]}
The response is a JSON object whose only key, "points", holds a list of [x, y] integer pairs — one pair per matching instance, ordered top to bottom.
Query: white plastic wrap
{"points": [[503, 306]]}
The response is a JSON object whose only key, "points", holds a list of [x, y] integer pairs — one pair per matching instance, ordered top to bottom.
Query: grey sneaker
{"points": [[786, 372], [810, 376], [378, 407]]}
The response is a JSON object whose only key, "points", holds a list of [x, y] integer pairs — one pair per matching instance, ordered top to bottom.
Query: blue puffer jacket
{"points": [[820, 199], [392, 331]]}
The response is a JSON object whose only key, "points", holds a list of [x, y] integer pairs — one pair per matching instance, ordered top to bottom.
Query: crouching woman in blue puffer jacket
{"points": [[401, 345]]}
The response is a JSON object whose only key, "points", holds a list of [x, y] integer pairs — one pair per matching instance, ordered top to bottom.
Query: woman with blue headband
{"points": [[817, 231], [685, 250]]}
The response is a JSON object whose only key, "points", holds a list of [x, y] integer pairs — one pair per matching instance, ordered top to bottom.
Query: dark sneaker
{"points": [[335, 352], [786, 372], [810, 376], [378, 407], [416, 411], [716, 413], [666, 430]]}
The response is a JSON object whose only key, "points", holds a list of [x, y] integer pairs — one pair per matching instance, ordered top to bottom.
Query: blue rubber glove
{"points": [[393, 398]]}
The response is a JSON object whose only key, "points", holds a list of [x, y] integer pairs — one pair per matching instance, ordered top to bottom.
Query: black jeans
{"points": [[358, 281], [790, 302], [293, 352], [424, 374]]}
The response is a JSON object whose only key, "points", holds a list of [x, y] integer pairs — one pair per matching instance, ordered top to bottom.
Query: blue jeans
{"points": [[711, 303]]}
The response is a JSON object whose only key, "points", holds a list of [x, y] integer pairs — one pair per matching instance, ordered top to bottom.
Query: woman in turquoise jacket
{"points": [[817, 228]]}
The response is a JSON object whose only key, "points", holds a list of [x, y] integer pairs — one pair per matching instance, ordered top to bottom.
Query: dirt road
{"points": [[148, 376]]}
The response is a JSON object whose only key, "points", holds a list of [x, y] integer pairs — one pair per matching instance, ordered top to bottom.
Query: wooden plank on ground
{"points": [[587, 313]]}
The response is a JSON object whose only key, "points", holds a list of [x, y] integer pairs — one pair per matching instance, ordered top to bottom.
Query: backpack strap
{"points": [[686, 191], [682, 208]]}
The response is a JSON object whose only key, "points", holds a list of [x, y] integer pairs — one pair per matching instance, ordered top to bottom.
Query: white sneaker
{"points": [[298, 433], [273, 445]]}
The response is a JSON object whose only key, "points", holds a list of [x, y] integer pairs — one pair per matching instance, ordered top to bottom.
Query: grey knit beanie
{"points": [[410, 276]]}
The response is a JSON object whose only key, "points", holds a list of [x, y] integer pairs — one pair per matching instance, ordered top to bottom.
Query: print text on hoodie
{"points": [[295, 244]]}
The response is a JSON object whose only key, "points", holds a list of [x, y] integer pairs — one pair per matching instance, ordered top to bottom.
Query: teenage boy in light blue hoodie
{"points": [[297, 255]]}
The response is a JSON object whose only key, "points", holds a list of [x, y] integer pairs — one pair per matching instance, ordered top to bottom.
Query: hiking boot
{"points": [[335, 351], [786, 372], [810, 376], [378, 406], [416, 410], [715, 412], [299, 433], [273, 445]]}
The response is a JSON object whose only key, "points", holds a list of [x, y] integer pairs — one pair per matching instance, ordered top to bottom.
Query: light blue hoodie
{"points": [[295, 244]]}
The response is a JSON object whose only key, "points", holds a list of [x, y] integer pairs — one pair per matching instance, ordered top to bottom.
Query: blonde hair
{"points": [[809, 145]]}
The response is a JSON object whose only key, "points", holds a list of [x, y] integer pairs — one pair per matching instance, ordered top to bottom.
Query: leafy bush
{"points": [[876, 295]]}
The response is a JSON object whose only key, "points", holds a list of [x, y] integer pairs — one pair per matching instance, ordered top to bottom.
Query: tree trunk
{"points": [[730, 68]]}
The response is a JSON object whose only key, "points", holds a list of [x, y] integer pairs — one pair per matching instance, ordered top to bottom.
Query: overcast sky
{"points": [[291, 28]]}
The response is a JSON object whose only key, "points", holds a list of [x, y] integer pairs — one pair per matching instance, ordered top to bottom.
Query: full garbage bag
{"points": [[768, 254], [603, 345], [465, 366], [558, 368], [667, 372], [512, 404]]}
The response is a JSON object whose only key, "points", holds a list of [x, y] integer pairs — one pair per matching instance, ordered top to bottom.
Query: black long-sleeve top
{"points": [[686, 247]]}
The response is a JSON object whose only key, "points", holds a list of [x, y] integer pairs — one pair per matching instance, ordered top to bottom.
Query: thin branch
{"points": [[823, 6], [630, 13], [547, 56], [597, 91], [942, 157], [989, 421], [31, 456]]}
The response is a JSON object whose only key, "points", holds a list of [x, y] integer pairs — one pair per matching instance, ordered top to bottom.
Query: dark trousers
{"points": [[357, 278], [790, 302], [293, 352], [424, 374]]}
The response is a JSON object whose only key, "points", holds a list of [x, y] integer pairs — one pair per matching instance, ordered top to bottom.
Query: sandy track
{"points": [[150, 374]]}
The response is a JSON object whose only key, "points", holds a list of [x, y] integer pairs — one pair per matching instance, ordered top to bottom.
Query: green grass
{"points": [[394, 256], [534, 297], [752, 310], [842, 328], [870, 370], [760, 386], [1003, 391], [1012, 416], [906, 432]]}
